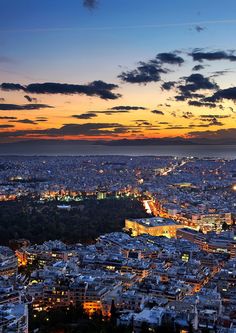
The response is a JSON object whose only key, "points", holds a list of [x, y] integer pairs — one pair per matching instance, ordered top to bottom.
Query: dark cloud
{"points": [[91, 4], [199, 28], [217, 55], [170, 58], [198, 68], [151, 70], [144, 73], [220, 73], [198, 82], [192, 84], [168, 85], [12, 86], [96, 88], [229, 93], [185, 95], [2, 99], [30, 99], [201, 104], [16, 107], [128, 107], [119, 109], [231, 109], [109, 112], [158, 112], [187, 115], [84, 116], [219, 116], [8, 118], [41, 119], [213, 119], [139, 120], [24, 121], [210, 122], [215, 122], [143, 123], [200, 125], [6, 126], [174, 127], [87, 129], [120, 130], [135, 132]]}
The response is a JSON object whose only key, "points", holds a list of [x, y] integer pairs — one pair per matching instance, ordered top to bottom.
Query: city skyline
{"points": [[112, 70]]}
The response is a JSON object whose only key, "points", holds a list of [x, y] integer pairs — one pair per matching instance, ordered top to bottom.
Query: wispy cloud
{"points": [[122, 27]]}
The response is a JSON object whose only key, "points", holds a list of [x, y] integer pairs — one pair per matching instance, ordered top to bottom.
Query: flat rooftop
{"points": [[154, 221], [191, 231]]}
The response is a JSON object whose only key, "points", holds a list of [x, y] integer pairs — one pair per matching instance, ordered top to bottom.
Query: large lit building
{"points": [[211, 222], [154, 226]]}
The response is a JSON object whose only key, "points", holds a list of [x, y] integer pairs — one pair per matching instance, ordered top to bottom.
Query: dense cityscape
{"points": [[169, 264]]}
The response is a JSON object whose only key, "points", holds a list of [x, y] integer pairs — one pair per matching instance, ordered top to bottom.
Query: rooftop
{"points": [[154, 221]]}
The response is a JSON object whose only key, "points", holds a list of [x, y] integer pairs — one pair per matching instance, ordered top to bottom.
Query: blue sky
{"points": [[122, 44]]}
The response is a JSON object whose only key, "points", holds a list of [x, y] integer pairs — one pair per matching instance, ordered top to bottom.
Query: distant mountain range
{"points": [[123, 142], [138, 147]]}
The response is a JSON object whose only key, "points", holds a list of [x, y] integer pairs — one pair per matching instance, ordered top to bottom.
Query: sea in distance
{"points": [[50, 149]]}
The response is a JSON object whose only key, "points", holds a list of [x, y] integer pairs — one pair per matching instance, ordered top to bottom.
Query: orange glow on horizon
{"points": [[137, 124]]}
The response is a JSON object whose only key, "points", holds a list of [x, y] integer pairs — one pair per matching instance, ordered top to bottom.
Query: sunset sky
{"points": [[113, 69]]}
